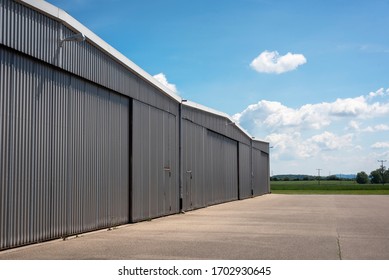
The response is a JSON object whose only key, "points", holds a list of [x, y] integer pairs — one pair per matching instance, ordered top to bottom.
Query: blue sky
{"points": [[310, 77]]}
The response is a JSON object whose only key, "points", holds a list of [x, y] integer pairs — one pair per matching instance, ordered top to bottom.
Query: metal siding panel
{"points": [[21, 23], [2, 24], [6, 60], [215, 123], [62, 144], [256, 154], [136, 162], [145, 162], [155, 164], [222, 165], [59, 167], [244, 171], [264, 173], [154, 177], [124, 194], [172, 205]]}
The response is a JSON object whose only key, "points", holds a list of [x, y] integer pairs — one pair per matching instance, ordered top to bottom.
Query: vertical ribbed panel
{"points": [[2, 25], [29, 32], [38, 35], [215, 123], [5, 132], [155, 160], [221, 161], [64, 164], [193, 166], [210, 167], [244, 171], [260, 172], [264, 173], [59, 179]]}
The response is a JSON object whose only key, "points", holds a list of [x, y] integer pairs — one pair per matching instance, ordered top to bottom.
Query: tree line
{"points": [[378, 176]]}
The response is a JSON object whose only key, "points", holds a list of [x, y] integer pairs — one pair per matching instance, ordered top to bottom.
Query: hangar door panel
{"points": [[64, 153], [154, 163], [193, 165], [221, 165], [244, 171], [260, 172]]}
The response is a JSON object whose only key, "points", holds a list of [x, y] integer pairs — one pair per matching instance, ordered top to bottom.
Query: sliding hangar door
{"points": [[64, 153], [210, 167], [155, 190]]}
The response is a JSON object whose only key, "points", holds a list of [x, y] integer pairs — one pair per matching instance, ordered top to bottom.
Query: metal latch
{"points": [[169, 170]]}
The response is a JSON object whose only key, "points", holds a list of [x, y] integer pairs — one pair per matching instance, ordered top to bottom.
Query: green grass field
{"points": [[327, 187]]}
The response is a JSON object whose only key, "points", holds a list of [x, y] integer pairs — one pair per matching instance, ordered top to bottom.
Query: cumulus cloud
{"points": [[273, 62], [161, 77], [379, 92], [275, 116], [356, 126], [318, 130], [330, 141], [380, 145], [295, 146]]}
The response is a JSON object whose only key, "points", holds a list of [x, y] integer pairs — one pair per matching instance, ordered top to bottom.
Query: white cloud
{"points": [[272, 62], [163, 80], [379, 92], [275, 116], [356, 126], [381, 127], [313, 135], [330, 141], [380, 145], [289, 146], [295, 146]]}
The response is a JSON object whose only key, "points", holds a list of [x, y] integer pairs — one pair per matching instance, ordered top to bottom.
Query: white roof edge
{"points": [[71, 22], [221, 114]]}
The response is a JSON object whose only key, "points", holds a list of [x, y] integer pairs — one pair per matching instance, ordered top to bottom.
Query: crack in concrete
{"points": [[339, 248]]}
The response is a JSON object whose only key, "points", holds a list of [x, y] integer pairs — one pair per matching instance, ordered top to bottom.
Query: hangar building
{"points": [[89, 140]]}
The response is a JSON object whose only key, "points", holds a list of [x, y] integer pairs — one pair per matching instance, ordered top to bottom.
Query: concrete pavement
{"points": [[303, 227]]}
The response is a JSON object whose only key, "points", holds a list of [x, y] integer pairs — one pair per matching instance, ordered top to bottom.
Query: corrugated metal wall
{"points": [[38, 35], [215, 123], [78, 154], [64, 163], [221, 166], [210, 167], [260, 172], [264, 174], [194, 185], [155, 190], [245, 190]]}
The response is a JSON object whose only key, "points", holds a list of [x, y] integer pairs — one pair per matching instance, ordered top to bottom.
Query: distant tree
{"points": [[376, 176], [386, 176], [332, 178], [362, 178], [286, 179]]}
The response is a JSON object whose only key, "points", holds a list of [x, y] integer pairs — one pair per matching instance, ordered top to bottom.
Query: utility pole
{"points": [[382, 170], [318, 173]]}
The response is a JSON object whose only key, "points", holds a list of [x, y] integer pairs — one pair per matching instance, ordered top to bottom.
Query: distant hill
{"points": [[301, 177]]}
